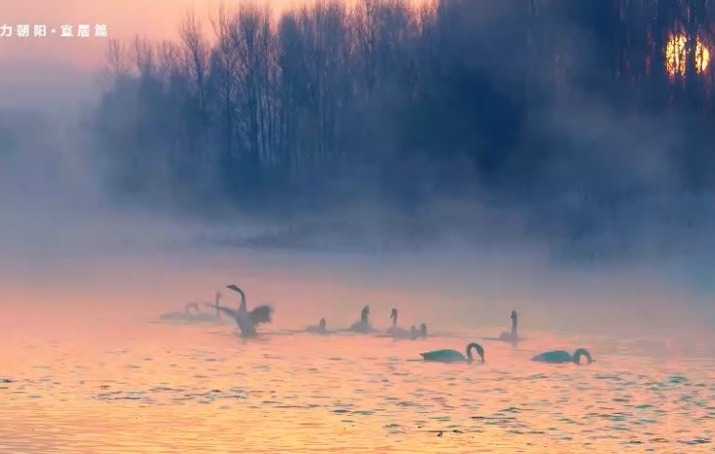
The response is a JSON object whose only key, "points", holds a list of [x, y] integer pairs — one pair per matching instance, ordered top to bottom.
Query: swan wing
{"points": [[230, 312], [261, 314], [554, 356]]}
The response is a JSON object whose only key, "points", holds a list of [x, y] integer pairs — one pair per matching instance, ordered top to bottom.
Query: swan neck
{"points": [[242, 307], [363, 315], [479, 350], [582, 352]]}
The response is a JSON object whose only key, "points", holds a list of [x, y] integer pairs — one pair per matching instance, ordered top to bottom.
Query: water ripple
{"points": [[303, 394]]}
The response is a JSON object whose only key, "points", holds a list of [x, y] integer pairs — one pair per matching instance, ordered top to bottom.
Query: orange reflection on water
{"points": [[197, 389]]}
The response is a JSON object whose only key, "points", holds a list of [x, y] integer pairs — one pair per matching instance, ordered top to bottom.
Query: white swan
{"points": [[186, 315], [211, 318], [247, 321], [362, 326], [319, 328], [394, 330], [511, 336], [453, 356], [562, 356]]}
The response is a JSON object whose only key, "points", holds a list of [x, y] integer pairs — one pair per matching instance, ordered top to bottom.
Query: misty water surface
{"points": [[197, 389]]}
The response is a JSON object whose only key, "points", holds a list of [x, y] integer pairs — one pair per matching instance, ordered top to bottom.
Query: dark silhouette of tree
{"points": [[384, 100]]}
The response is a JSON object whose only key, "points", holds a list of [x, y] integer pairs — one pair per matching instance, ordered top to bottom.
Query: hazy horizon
{"points": [[455, 162], [57, 219]]}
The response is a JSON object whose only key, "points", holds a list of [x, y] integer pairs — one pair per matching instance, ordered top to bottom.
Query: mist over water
{"points": [[498, 181]]}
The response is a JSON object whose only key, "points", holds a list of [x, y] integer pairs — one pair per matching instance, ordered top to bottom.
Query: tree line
{"points": [[391, 101]]}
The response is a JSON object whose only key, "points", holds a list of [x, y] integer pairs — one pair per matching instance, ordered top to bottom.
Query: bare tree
{"points": [[253, 41], [196, 60], [117, 61], [225, 69]]}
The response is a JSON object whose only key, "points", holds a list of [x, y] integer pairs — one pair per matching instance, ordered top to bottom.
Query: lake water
{"points": [[141, 387]]}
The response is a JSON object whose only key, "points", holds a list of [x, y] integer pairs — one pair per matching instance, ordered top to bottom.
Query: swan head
{"points": [[192, 309], [364, 314], [414, 332], [478, 348], [582, 352]]}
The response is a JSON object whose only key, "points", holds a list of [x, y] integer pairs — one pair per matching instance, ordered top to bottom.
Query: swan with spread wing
{"points": [[246, 320]]}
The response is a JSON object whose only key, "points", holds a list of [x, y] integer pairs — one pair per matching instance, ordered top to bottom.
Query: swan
{"points": [[186, 315], [212, 318], [247, 321], [363, 326], [319, 328], [394, 330], [423, 330], [414, 332], [399, 333], [511, 336], [453, 356], [562, 356]]}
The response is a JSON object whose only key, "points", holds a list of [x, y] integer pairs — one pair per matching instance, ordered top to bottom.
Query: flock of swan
{"points": [[247, 322]]}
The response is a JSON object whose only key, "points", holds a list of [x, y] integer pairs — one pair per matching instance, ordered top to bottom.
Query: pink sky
{"points": [[125, 19], [154, 19], [53, 72]]}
